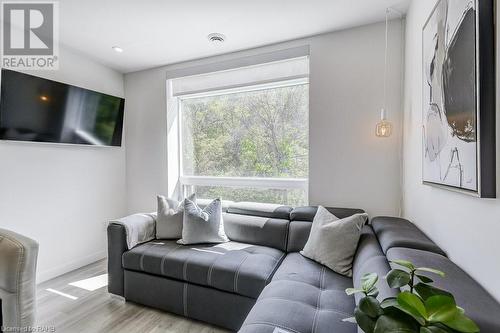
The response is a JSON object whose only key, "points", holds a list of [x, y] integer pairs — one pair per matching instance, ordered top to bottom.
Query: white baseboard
{"points": [[69, 266]]}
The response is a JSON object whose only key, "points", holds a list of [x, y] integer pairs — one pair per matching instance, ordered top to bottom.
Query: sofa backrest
{"points": [[205, 202], [260, 209], [301, 221], [259, 224], [278, 226], [397, 232], [401, 239], [478, 304]]}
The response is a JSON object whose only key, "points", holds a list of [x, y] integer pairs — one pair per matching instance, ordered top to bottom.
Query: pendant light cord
{"points": [[385, 57]]}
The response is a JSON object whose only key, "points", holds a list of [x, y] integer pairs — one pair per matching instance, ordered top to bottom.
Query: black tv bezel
{"points": [[117, 136]]}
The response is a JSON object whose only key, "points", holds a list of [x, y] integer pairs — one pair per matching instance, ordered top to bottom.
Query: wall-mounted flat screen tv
{"points": [[41, 110]]}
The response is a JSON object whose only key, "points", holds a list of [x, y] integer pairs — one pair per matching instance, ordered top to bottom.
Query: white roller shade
{"points": [[289, 69]]}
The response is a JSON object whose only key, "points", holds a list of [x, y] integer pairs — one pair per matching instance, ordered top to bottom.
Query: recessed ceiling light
{"points": [[216, 38], [117, 49]]}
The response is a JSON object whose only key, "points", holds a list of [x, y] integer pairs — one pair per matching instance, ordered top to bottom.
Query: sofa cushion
{"points": [[260, 209], [301, 221], [257, 230], [398, 232], [296, 267], [239, 268], [303, 297], [478, 304]]}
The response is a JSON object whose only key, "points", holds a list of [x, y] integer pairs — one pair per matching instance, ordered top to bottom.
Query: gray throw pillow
{"points": [[169, 219], [202, 225], [333, 242]]}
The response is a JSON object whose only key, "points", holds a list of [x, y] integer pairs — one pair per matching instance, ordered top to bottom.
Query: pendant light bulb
{"points": [[384, 127]]}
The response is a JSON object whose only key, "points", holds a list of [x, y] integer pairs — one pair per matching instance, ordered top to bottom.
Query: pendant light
{"points": [[384, 127]]}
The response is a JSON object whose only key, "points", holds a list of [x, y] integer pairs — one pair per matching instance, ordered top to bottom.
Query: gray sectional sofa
{"points": [[259, 283]]}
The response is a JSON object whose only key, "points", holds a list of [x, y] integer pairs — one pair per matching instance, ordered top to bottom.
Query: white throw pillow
{"points": [[169, 220], [202, 225], [333, 241]]}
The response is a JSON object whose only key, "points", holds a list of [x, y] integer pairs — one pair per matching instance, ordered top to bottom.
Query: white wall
{"points": [[349, 166], [61, 195], [467, 228]]}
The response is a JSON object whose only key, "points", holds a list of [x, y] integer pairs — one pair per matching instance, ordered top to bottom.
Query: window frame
{"points": [[187, 183]]}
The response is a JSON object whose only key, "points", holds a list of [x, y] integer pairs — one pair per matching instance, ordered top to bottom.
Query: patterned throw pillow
{"points": [[202, 225]]}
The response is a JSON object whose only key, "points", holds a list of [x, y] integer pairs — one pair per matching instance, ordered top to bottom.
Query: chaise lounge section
{"points": [[216, 283], [259, 283]]}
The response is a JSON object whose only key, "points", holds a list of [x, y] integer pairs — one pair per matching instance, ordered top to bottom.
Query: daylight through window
{"points": [[247, 144]]}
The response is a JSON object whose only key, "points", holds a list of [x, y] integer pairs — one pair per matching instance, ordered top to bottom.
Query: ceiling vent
{"points": [[216, 38]]}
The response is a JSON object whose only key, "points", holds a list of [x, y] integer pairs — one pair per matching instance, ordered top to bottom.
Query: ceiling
{"points": [[159, 32]]}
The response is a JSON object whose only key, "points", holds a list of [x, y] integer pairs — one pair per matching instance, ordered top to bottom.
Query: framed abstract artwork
{"points": [[459, 97]]}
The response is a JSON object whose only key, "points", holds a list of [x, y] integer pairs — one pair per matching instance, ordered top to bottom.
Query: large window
{"points": [[248, 143]]}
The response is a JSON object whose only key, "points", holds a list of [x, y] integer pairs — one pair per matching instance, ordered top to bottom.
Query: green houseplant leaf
{"points": [[404, 263], [431, 270], [398, 278], [424, 279], [368, 281], [352, 291], [425, 291], [373, 292], [389, 302], [412, 305], [370, 306], [440, 308], [422, 309], [364, 321], [459, 322], [386, 324], [432, 329]]}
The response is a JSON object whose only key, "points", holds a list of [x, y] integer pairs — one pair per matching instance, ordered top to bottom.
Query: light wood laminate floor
{"points": [[72, 304]]}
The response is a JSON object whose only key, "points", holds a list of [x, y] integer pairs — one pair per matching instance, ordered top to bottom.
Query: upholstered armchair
{"points": [[18, 258]]}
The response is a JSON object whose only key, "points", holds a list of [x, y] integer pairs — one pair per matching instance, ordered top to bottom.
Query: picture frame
{"points": [[459, 103]]}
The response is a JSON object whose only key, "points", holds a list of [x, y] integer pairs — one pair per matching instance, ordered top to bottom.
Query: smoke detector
{"points": [[216, 38]]}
